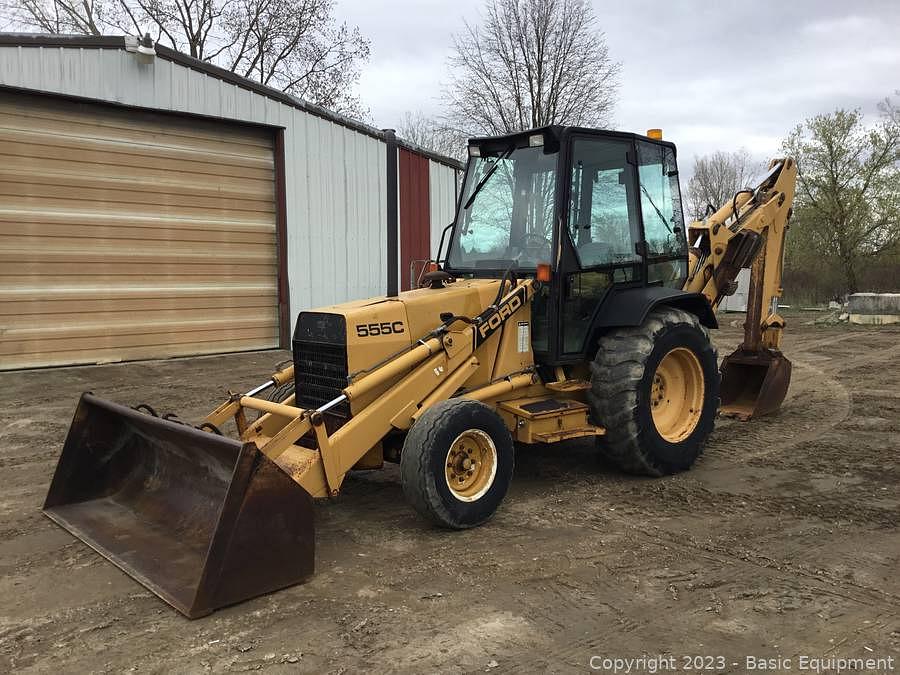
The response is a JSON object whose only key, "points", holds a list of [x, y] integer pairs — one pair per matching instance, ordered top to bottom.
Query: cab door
{"points": [[603, 227]]}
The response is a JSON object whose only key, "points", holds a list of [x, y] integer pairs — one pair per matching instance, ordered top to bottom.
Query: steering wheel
{"points": [[534, 246]]}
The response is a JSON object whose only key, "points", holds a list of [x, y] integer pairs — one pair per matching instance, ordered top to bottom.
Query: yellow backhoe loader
{"points": [[571, 301]]}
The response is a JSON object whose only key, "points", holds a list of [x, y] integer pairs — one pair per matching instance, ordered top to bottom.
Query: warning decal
{"points": [[524, 337]]}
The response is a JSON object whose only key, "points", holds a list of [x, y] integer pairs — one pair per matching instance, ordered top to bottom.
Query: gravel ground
{"points": [[783, 541]]}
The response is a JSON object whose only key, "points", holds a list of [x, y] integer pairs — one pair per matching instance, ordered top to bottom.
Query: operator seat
{"points": [[595, 253]]}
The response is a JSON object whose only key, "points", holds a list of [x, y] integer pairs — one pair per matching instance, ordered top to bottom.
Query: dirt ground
{"points": [[783, 541]]}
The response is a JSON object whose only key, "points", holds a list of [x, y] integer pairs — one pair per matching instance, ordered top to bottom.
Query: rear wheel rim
{"points": [[676, 394], [471, 465]]}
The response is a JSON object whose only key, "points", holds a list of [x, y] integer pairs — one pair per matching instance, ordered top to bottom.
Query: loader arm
{"points": [[749, 232], [431, 371]]}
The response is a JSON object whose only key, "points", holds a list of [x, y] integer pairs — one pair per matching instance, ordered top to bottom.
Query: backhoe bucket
{"points": [[753, 383], [201, 520]]}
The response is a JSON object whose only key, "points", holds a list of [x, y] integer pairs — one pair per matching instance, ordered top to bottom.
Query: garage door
{"points": [[131, 235]]}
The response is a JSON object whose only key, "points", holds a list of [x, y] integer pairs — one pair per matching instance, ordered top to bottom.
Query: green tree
{"points": [[847, 207]]}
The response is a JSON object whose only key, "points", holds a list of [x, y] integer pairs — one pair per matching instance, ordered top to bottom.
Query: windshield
{"points": [[506, 218]]}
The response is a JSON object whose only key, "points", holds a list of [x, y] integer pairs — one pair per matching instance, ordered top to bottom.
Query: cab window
{"points": [[660, 200], [506, 217], [603, 222]]}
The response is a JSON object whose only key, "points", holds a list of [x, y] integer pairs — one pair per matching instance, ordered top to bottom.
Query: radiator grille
{"points": [[320, 362], [320, 374]]}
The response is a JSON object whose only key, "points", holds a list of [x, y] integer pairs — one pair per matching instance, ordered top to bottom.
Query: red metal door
{"points": [[415, 216]]}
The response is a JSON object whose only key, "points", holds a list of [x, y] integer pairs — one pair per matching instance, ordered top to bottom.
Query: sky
{"points": [[714, 75]]}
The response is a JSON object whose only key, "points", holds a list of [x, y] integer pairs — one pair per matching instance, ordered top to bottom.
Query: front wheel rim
{"points": [[676, 394], [471, 465]]}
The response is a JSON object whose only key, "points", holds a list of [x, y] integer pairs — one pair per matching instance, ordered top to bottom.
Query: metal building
{"points": [[161, 206], [738, 301]]}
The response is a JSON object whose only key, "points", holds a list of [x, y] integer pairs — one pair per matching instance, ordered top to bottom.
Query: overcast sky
{"points": [[713, 75]]}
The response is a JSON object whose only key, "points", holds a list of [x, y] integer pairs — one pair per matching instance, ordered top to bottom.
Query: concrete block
{"points": [[874, 308]]}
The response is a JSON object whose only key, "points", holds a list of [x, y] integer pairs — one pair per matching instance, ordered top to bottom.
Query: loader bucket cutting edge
{"points": [[753, 383], [202, 520]]}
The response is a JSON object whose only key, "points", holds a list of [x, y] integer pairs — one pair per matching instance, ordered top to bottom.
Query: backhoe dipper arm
{"points": [[748, 232]]}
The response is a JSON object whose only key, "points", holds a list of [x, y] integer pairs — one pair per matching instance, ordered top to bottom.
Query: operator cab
{"points": [[599, 210]]}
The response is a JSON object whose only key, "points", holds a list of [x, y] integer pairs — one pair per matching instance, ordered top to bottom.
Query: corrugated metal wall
{"points": [[334, 170], [334, 175], [443, 188], [336, 209], [127, 234]]}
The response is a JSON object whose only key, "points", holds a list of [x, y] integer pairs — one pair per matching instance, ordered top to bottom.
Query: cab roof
{"points": [[554, 135]]}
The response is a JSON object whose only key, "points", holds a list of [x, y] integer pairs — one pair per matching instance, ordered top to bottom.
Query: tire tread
{"points": [[616, 374], [415, 472]]}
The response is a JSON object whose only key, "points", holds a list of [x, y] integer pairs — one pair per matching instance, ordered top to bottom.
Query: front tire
{"points": [[655, 389], [457, 463]]}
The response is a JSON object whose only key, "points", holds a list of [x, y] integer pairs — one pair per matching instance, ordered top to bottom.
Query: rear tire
{"points": [[655, 389], [457, 463]]}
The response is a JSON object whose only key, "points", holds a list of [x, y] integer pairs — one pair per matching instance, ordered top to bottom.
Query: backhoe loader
{"points": [[570, 302]]}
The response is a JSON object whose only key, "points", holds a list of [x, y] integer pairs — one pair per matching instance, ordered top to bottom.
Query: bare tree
{"points": [[87, 17], [190, 26], [294, 45], [297, 47], [530, 63], [432, 134], [716, 178], [847, 208]]}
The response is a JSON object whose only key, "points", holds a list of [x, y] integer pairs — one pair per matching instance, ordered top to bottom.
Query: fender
{"points": [[625, 307]]}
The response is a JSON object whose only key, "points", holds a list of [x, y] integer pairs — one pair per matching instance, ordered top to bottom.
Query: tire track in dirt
{"points": [[808, 346], [882, 357], [815, 395], [820, 405], [829, 409], [46, 457], [29, 524], [752, 558], [734, 570], [794, 577], [787, 583], [574, 621]]}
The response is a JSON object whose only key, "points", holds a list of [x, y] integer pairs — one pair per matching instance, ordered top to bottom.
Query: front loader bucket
{"points": [[753, 383], [201, 520]]}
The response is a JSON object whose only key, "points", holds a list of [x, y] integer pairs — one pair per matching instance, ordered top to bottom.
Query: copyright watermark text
{"points": [[669, 663]]}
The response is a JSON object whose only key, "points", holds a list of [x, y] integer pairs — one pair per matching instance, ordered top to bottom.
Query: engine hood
{"points": [[375, 328]]}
